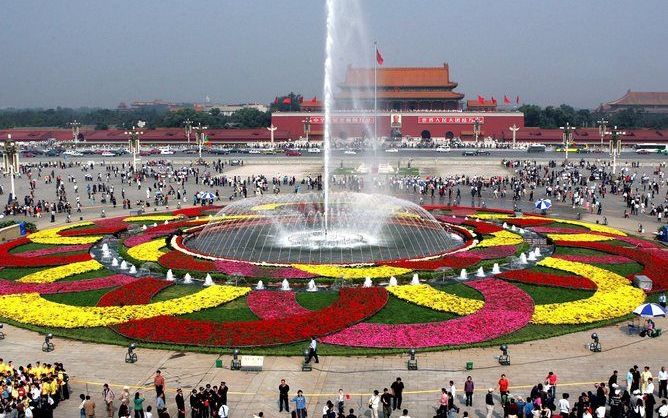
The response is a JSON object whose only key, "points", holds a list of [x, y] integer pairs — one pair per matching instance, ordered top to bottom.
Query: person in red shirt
{"points": [[551, 379], [159, 382], [503, 388]]}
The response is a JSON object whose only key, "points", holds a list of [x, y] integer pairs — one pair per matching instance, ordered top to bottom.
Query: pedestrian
{"points": [[662, 300], [313, 351], [644, 378], [551, 380], [663, 382], [159, 383], [504, 383], [469, 388], [283, 390], [453, 391], [222, 393], [397, 393], [108, 396], [340, 401], [386, 401], [489, 403], [180, 404], [300, 404], [374, 404], [443, 404], [138, 405], [564, 406], [89, 407], [663, 409], [123, 411], [223, 411], [149, 412], [351, 413], [404, 414]]}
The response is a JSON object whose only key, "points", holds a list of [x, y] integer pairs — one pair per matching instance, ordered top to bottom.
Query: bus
{"points": [[536, 148], [651, 148]]}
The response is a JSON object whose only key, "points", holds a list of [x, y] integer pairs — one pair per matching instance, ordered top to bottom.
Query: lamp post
{"points": [[307, 126], [189, 128], [602, 129], [271, 130], [476, 130], [514, 130], [75, 131], [200, 135], [567, 136], [133, 142], [615, 146], [10, 159]]}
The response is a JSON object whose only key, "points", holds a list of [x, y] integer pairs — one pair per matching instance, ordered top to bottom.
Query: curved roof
{"points": [[399, 77]]}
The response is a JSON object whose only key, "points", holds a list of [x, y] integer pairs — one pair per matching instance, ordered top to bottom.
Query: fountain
{"points": [[166, 222], [154, 224], [505, 225], [144, 227], [513, 228], [521, 231], [105, 248], [537, 252], [532, 256], [523, 259], [114, 262], [124, 265], [133, 269], [496, 269], [480, 273], [463, 275], [170, 276], [187, 279], [208, 280], [415, 280], [393, 281], [367, 282], [259, 285], [285, 285], [311, 286]]}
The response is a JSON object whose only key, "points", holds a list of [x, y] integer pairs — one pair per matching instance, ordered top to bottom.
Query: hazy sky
{"points": [[99, 53]]}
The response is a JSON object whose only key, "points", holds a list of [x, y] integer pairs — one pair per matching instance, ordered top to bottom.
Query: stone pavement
{"points": [[91, 365]]}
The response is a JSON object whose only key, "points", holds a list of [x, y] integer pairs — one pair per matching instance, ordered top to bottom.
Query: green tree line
{"points": [[552, 117]]}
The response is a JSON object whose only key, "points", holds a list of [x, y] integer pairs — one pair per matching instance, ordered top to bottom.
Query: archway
{"points": [[426, 135], [449, 135]]}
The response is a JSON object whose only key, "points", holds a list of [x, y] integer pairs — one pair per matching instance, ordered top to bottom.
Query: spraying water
{"points": [[329, 104]]}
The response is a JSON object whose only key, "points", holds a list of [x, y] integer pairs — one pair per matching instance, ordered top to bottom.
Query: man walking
{"points": [[313, 351], [159, 383], [469, 387], [283, 390], [397, 392], [108, 396], [386, 400], [489, 403], [180, 404], [89, 407]]}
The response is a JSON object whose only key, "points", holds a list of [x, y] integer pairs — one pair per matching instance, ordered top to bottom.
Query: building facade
{"points": [[648, 102]]}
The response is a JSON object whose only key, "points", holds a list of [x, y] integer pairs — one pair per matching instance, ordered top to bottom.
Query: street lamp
{"points": [[307, 126], [189, 128], [602, 129], [271, 130], [476, 130], [514, 130], [75, 131], [200, 135], [567, 136], [133, 142], [615, 146], [10, 160]]}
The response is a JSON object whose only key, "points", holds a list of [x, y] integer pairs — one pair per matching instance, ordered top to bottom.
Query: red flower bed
{"points": [[195, 211], [527, 222], [101, 227], [483, 227], [490, 253], [15, 260], [180, 261], [456, 262], [654, 266], [547, 279], [14, 288], [137, 292], [353, 305]]}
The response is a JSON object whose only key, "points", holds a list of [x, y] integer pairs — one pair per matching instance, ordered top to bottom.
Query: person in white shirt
{"points": [[313, 351], [663, 383], [649, 388], [453, 390], [374, 403], [564, 406], [663, 409], [223, 411], [600, 411], [148, 413], [587, 413], [404, 414]]}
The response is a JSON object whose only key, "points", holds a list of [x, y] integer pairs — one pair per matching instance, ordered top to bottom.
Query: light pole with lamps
{"points": [[307, 126], [189, 128], [602, 129], [271, 130], [476, 130], [514, 130], [75, 131], [200, 135], [567, 136], [134, 143], [615, 146], [10, 159]]}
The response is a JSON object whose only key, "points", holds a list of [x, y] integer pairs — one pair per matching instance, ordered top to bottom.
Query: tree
{"points": [[288, 103]]}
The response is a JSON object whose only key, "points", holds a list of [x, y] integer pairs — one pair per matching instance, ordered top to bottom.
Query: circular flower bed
{"points": [[512, 279]]}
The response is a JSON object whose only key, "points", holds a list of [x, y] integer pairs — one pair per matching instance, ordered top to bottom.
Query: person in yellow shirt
{"points": [[644, 378]]}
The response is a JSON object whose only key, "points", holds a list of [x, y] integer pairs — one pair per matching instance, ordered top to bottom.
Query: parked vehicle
{"points": [[292, 153]]}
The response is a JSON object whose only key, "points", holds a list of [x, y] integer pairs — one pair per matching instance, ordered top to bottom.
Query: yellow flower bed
{"points": [[268, 206], [151, 218], [50, 236], [580, 237], [501, 238], [148, 251], [328, 270], [57, 273], [425, 295], [614, 297], [31, 308]]}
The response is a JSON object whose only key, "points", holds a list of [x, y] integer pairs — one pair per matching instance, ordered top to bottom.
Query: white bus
{"points": [[651, 148]]}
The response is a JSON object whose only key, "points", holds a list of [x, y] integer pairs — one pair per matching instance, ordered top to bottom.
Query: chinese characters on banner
{"points": [[453, 120]]}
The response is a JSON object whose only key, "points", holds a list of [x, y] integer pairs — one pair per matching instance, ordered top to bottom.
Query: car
{"points": [[443, 149], [314, 150], [392, 150], [194, 151], [255, 151], [166, 152], [350, 152], [642, 152], [73, 153], [293, 153], [474, 153], [108, 154], [28, 155], [235, 162]]}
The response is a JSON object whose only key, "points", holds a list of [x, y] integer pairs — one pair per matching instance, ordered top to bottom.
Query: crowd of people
{"points": [[34, 390]]}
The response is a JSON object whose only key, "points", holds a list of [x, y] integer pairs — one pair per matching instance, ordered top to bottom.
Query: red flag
{"points": [[379, 58], [301, 99], [314, 99], [481, 99], [506, 99], [517, 99], [276, 100], [287, 100], [493, 100]]}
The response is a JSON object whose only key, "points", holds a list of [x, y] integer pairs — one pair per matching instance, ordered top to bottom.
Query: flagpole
{"points": [[375, 92]]}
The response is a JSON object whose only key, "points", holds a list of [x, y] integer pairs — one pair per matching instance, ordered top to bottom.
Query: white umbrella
{"points": [[206, 195], [543, 204], [649, 310]]}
